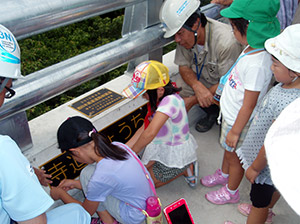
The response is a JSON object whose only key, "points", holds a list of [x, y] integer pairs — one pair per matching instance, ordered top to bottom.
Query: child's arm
{"points": [[249, 102], [151, 131], [135, 137], [258, 165], [68, 184], [58, 193]]}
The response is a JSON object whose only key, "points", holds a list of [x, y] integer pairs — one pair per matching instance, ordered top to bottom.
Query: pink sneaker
{"points": [[214, 179], [222, 196], [245, 208], [228, 222]]}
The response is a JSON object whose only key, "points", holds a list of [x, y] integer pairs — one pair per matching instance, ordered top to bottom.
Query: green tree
{"points": [[57, 45], [49, 48]]}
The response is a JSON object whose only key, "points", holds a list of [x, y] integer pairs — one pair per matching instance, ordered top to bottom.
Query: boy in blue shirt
{"points": [[22, 197]]}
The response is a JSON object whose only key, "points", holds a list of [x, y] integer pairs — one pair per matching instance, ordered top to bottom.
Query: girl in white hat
{"points": [[285, 51]]}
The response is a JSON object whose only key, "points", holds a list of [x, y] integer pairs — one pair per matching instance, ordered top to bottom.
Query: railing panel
{"points": [[25, 18], [54, 80]]}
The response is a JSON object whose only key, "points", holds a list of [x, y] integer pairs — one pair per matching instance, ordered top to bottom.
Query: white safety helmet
{"points": [[174, 13], [10, 62]]}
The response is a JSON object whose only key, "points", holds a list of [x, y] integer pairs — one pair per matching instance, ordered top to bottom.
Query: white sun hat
{"points": [[286, 47]]}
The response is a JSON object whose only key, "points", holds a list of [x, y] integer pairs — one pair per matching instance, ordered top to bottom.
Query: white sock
{"points": [[225, 175], [231, 191], [270, 210]]}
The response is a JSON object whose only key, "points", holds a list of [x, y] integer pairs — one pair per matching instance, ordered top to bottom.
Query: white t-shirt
{"points": [[253, 73], [22, 196]]}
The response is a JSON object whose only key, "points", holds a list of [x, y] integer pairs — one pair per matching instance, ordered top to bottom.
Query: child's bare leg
{"points": [[149, 164], [225, 164], [236, 171], [189, 172], [275, 198], [258, 215], [106, 217]]}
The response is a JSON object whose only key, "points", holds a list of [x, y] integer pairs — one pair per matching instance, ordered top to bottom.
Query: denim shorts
{"points": [[225, 128]]}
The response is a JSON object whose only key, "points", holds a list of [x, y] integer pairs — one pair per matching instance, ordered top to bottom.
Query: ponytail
{"points": [[105, 149]]}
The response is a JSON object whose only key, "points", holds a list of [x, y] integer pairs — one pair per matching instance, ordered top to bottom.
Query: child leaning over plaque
{"points": [[170, 148], [114, 183]]}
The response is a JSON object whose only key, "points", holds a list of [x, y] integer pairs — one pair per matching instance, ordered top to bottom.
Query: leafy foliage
{"points": [[57, 45], [49, 48]]}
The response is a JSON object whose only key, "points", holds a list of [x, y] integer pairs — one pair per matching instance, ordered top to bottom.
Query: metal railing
{"points": [[26, 18], [142, 39], [54, 80]]}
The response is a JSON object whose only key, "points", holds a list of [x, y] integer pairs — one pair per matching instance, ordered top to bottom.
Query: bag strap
{"points": [[241, 56], [139, 161], [146, 174]]}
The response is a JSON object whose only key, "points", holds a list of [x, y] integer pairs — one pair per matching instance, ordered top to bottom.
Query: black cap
{"points": [[69, 130]]}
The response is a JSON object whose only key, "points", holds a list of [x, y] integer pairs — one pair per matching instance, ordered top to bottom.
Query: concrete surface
{"points": [[210, 156]]}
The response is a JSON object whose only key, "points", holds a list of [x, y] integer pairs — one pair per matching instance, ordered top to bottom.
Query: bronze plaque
{"points": [[97, 102]]}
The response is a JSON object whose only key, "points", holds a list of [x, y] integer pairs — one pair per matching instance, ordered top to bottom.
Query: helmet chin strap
{"points": [[194, 31], [296, 77], [3, 84]]}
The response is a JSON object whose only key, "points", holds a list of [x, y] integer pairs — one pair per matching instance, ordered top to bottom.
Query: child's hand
{"points": [[232, 139], [251, 174], [68, 184], [56, 192]]}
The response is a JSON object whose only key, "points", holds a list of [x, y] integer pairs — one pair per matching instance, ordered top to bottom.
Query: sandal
{"points": [[193, 180]]}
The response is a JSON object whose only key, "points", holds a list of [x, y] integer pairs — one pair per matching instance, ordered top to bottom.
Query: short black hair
{"points": [[193, 18], [241, 24]]}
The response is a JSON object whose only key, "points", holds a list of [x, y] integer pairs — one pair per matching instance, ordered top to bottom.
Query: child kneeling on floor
{"points": [[170, 147], [114, 182]]}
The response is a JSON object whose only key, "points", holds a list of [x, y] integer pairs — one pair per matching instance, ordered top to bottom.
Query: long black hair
{"points": [[169, 90], [104, 148]]}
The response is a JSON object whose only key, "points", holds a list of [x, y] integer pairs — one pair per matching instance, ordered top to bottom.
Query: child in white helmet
{"points": [[285, 51], [22, 197]]}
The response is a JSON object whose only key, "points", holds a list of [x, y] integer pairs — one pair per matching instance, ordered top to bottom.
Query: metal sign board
{"points": [[97, 102], [64, 166]]}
